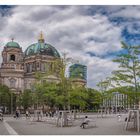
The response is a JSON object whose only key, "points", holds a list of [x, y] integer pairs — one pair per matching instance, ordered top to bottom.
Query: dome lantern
{"points": [[41, 38]]}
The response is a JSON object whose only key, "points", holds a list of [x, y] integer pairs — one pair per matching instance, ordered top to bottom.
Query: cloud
{"points": [[127, 12], [69, 29]]}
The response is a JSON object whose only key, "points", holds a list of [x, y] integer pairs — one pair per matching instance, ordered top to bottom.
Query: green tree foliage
{"points": [[128, 73], [45, 93], [105, 93], [50, 94], [5, 96], [78, 97], [94, 98], [26, 99]]}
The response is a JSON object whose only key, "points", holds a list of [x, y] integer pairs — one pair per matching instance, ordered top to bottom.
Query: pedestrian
{"points": [[50, 113], [17, 114], [27, 114], [47, 114], [1, 115], [119, 117], [85, 122]]}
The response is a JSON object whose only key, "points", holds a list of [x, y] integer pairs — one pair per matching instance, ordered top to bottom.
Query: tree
{"points": [[57, 69], [128, 73], [104, 88], [46, 93], [51, 94], [5, 96], [78, 97], [26, 99], [94, 99]]}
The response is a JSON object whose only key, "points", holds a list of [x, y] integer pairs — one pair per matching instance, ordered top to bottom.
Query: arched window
{"points": [[12, 57], [33, 66], [28, 67], [43, 68], [12, 83]]}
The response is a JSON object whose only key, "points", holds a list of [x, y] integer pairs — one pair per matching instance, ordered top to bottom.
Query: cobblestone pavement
{"points": [[108, 125], [3, 130]]}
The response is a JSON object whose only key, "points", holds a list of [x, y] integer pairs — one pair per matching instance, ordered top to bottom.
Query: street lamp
{"points": [[11, 103]]}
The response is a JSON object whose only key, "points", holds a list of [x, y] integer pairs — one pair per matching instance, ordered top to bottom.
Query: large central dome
{"points": [[41, 48]]}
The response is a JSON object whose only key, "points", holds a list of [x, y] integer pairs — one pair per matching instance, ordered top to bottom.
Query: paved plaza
{"points": [[108, 125]]}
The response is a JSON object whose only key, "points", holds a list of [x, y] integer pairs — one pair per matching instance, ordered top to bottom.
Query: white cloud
{"points": [[127, 12], [68, 29]]}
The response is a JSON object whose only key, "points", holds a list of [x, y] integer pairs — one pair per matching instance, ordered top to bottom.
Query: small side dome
{"points": [[12, 44]]}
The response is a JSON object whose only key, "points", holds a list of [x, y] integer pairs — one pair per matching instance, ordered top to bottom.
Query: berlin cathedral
{"points": [[18, 68]]}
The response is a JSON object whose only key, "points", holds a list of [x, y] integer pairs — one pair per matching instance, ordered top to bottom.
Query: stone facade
{"points": [[18, 69]]}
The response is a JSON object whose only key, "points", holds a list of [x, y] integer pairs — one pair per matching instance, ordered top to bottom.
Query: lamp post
{"points": [[65, 62], [11, 103]]}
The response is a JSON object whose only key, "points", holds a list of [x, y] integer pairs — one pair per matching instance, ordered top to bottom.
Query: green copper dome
{"points": [[12, 44], [41, 48]]}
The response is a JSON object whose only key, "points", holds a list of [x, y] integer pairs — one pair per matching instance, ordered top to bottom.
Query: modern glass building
{"points": [[78, 71], [78, 74]]}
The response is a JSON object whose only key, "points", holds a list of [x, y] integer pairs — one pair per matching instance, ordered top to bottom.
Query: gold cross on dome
{"points": [[41, 36]]}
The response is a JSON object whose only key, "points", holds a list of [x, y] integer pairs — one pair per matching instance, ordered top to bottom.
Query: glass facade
{"points": [[78, 71]]}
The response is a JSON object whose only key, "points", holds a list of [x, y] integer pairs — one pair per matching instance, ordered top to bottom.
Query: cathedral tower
{"points": [[12, 73]]}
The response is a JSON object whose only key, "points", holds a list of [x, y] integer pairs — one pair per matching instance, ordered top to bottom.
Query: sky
{"points": [[88, 34]]}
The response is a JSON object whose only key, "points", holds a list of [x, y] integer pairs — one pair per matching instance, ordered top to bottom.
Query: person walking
{"points": [[17, 114], [27, 114], [1, 115]]}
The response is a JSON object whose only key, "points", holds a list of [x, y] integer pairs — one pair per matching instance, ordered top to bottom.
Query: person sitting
{"points": [[85, 122]]}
